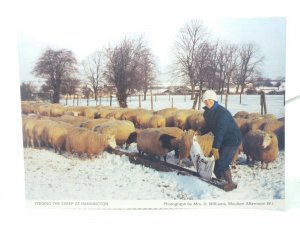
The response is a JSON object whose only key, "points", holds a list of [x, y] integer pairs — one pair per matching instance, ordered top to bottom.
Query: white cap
{"points": [[210, 94]]}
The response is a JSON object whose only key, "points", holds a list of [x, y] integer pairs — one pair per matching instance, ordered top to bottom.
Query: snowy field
{"points": [[111, 177]]}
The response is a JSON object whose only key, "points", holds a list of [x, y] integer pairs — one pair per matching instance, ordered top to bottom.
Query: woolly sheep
{"points": [[44, 109], [56, 110], [166, 112], [91, 113], [117, 113], [241, 114], [131, 115], [181, 116], [142, 119], [74, 120], [157, 121], [195, 121], [90, 124], [242, 124], [277, 127], [121, 129], [39, 131], [171, 131], [29, 132], [57, 134], [83, 141], [205, 141], [154, 143], [260, 146]]}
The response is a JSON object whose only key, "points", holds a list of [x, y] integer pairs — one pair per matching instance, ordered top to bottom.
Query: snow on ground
{"points": [[111, 177]]}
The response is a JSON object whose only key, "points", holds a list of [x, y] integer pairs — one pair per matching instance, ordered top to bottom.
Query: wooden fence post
{"points": [[151, 99], [110, 100], [195, 101], [172, 103], [140, 104]]}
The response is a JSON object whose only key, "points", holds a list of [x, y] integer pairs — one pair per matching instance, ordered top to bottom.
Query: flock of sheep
{"points": [[91, 130]]}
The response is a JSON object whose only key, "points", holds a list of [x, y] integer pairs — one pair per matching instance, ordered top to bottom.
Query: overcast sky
{"points": [[158, 24]]}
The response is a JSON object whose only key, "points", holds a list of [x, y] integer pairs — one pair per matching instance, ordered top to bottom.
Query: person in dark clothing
{"points": [[227, 137]]}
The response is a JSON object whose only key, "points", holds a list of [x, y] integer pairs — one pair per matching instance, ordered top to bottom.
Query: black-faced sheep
{"points": [[91, 113], [121, 129], [171, 131], [83, 141], [153, 142], [260, 146]]}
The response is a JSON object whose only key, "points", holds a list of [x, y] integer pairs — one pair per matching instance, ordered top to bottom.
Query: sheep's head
{"points": [[131, 139], [165, 140], [267, 140]]}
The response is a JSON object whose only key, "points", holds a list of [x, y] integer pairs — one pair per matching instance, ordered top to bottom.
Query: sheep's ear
{"points": [[132, 138], [166, 140]]}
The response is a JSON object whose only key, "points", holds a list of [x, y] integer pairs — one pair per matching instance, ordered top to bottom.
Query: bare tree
{"points": [[188, 41], [231, 58], [125, 62], [250, 62], [54, 66], [93, 69], [147, 72], [69, 86]]}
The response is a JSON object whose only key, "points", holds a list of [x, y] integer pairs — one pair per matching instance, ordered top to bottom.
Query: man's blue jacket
{"points": [[221, 123]]}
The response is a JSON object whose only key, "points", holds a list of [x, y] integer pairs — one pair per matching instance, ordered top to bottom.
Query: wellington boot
{"points": [[230, 185]]}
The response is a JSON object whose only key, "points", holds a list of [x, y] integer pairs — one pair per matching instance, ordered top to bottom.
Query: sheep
{"points": [[27, 107], [44, 109], [57, 110], [75, 110], [165, 112], [91, 113], [117, 113], [168, 113], [241, 114], [131, 115], [181, 116], [142, 119], [74, 120], [157, 121], [195, 121], [90, 124], [242, 124], [277, 127], [119, 128], [28, 131], [39, 131], [171, 131], [56, 134], [83, 141], [186, 141], [205, 141], [154, 143], [260, 146]]}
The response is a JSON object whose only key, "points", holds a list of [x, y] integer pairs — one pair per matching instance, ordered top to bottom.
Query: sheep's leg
{"points": [[165, 159], [262, 164], [267, 165]]}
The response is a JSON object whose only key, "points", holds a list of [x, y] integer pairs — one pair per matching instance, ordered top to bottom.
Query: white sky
{"points": [[159, 23]]}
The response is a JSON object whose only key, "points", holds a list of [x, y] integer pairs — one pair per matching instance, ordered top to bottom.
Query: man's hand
{"points": [[215, 153]]}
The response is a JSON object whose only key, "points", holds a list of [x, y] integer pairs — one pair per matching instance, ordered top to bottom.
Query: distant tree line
{"points": [[130, 66]]}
